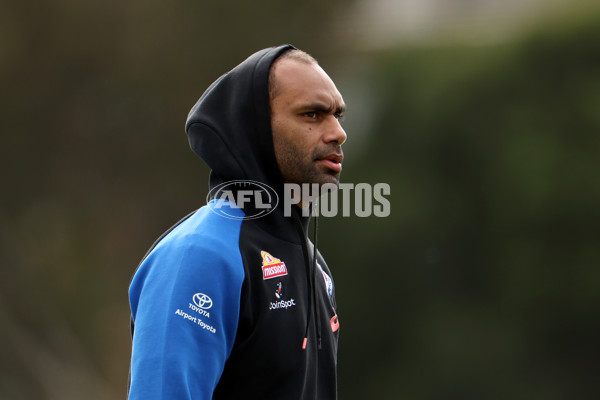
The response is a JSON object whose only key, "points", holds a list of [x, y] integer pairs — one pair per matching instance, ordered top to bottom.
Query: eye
{"points": [[310, 114], [339, 116]]}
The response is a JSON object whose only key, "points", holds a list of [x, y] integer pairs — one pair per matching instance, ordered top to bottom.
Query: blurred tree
{"points": [[95, 165], [484, 282]]}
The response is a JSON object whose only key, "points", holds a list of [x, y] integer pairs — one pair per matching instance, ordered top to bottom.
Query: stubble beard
{"points": [[298, 167]]}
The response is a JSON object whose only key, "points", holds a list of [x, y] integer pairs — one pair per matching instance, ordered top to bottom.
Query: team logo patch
{"points": [[272, 267], [328, 281], [328, 284]]}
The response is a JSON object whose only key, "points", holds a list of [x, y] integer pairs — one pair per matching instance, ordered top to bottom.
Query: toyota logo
{"points": [[202, 301]]}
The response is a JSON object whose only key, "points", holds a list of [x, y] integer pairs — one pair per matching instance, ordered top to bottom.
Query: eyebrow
{"points": [[321, 107]]}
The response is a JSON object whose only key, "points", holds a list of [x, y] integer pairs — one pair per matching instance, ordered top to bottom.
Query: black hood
{"points": [[230, 125], [230, 129]]}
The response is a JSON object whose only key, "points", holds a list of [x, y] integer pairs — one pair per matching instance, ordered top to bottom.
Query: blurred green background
{"points": [[483, 116]]}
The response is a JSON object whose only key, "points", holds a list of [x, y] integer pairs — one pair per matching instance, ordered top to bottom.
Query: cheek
{"points": [[291, 135], [303, 138]]}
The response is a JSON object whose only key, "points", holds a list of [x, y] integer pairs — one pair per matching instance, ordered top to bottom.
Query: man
{"points": [[226, 306]]}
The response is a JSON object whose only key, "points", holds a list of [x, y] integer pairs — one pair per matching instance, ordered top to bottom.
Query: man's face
{"points": [[305, 113]]}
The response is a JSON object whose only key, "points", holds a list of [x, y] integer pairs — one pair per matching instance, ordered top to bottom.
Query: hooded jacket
{"points": [[235, 308]]}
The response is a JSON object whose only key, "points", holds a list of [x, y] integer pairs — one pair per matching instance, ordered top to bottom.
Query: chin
{"points": [[317, 177], [335, 179]]}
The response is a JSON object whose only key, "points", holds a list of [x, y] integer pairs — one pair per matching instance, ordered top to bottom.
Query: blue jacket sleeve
{"points": [[185, 303]]}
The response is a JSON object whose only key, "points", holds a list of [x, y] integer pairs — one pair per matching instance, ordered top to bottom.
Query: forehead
{"points": [[298, 81]]}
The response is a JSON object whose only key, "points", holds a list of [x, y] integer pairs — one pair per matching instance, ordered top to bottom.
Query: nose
{"points": [[335, 133]]}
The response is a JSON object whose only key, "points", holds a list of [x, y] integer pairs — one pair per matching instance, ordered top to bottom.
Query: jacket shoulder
{"points": [[203, 246]]}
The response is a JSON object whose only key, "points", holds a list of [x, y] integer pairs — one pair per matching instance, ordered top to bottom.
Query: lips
{"points": [[332, 161]]}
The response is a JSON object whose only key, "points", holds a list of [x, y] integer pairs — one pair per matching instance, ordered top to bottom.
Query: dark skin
{"points": [[305, 120]]}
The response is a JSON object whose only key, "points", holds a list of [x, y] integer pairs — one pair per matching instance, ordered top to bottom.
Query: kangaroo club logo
{"points": [[272, 267]]}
